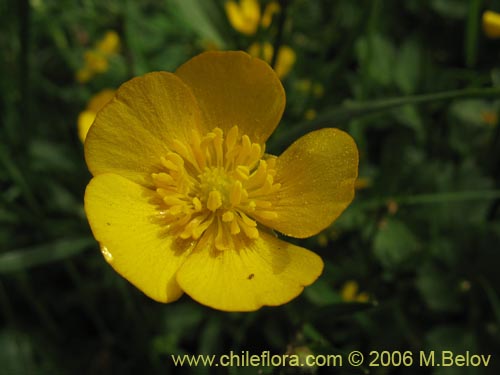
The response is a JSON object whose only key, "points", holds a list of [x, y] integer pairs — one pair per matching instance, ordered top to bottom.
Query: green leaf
{"points": [[450, 8], [202, 17], [472, 32], [376, 56], [407, 70], [351, 110], [471, 111], [409, 115], [48, 155], [394, 243], [24, 259], [437, 288], [321, 293], [337, 310], [458, 340], [16, 353]]}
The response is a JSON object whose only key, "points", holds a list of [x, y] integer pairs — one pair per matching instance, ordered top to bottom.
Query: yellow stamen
{"points": [[217, 181], [214, 200]]}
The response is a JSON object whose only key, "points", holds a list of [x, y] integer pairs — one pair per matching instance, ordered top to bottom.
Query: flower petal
{"points": [[245, 17], [491, 24], [232, 88], [87, 117], [85, 120], [136, 128], [317, 175], [122, 218], [264, 271]]}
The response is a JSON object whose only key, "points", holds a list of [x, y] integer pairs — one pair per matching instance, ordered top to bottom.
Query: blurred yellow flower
{"points": [[271, 9], [245, 15], [491, 24], [109, 44], [96, 60], [284, 61], [84, 75], [307, 86], [318, 90], [95, 104], [310, 114], [489, 118], [363, 183], [184, 197], [349, 293]]}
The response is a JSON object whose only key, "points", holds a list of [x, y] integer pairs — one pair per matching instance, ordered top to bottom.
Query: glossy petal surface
{"points": [[232, 88], [87, 117], [136, 128], [317, 175], [122, 216], [265, 271]]}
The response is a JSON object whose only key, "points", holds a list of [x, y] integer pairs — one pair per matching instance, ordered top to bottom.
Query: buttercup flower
{"points": [[245, 16], [491, 24], [96, 60], [284, 61], [87, 117], [185, 199], [349, 292]]}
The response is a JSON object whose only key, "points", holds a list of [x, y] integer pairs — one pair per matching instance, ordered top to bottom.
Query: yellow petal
{"points": [[271, 8], [244, 17], [491, 24], [110, 43], [262, 51], [95, 61], [284, 62], [84, 75], [232, 88], [99, 100], [87, 117], [85, 120], [135, 129], [317, 175], [124, 221], [264, 271], [349, 291]]}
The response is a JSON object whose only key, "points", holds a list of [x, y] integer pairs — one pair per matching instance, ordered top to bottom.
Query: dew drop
{"points": [[107, 255]]}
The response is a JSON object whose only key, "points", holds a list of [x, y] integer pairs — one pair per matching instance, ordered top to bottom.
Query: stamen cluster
{"points": [[217, 183]]}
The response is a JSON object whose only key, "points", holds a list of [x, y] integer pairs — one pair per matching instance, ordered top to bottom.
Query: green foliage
{"points": [[416, 83]]}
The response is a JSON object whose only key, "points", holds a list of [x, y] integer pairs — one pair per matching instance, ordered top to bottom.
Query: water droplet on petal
{"points": [[107, 255]]}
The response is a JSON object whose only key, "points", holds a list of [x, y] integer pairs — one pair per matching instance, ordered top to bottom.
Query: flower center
{"points": [[218, 183]]}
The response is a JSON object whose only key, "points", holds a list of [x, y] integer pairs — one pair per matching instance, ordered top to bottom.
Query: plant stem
{"points": [[279, 35], [352, 110], [435, 198]]}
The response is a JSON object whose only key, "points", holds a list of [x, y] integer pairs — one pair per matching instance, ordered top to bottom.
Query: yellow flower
{"points": [[271, 9], [245, 15], [491, 24], [109, 44], [96, 60], [284, 61], [84, 75], [318, 90], [310, 114], [87, 117], [363, 183], [184, 198], [349, 293]]}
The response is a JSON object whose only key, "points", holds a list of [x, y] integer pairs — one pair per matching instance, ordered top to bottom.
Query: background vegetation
{"points": [[415, 82]]}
